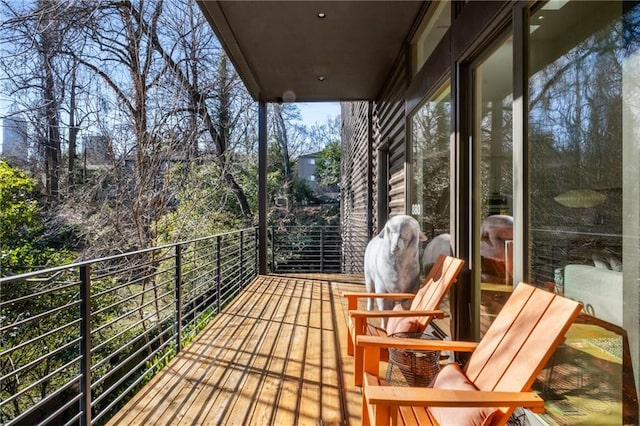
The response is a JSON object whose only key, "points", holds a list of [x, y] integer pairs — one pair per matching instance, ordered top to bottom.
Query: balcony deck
{"points": [[276, 355]]}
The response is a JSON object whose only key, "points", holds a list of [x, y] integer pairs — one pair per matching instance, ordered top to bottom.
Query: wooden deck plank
{"points": [[206, 354], [276, 355], [180, 377], [221, 387], [265, 387], [271, 388], [330, 398], [310, 400], [288, 402], [239, 409]]}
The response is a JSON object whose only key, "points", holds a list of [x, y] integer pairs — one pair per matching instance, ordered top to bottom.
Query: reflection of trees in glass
{"points": [[631, 30], [576, 103], [431, 127], [575, 130], [496, 171]]}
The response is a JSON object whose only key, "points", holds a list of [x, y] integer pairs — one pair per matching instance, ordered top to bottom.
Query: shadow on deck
{"points": [[277, 355]]}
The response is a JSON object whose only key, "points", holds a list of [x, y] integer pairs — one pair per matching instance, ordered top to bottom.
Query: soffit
{"points": [[280, 48]]}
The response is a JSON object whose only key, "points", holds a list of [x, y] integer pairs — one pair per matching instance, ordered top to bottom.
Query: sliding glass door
{"points": [[492, 153], [584, 229]]}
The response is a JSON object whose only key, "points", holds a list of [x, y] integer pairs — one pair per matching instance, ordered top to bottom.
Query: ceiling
{"points": [[283, 50]]}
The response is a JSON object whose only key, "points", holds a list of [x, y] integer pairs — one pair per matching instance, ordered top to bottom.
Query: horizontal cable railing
{"points": [[305, 249], [77, 341]]}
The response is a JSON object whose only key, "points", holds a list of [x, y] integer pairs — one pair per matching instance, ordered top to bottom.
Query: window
{"points": [[433, 28], [583, 133], [430, 137], [493, 178], [430, 183]]}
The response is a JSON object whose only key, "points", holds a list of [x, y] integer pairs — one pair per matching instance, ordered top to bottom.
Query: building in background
{"points": [[15, 146], [96, 151], [307, 164], [307, 169]]}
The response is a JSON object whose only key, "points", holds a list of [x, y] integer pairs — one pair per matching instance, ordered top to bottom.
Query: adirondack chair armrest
{"points": [[366, 295], [352, 297], [436, 313], [399, 314], [375, 343], [428, 397]]}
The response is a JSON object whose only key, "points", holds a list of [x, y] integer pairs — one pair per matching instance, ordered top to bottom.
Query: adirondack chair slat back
{"points": [[437, 283], [521, 339]]}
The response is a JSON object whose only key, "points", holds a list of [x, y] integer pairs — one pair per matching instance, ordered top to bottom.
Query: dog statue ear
{"points": [[383, 233], [423, 237]]}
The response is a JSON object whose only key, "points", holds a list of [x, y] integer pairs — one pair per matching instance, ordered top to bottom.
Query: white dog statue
{"points": [[440, 244], [391, 263]]}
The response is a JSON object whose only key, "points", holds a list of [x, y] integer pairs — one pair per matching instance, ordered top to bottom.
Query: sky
{"points": [[318, 112]]}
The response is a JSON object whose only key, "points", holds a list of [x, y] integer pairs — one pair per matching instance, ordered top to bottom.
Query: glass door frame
{"points": [[469, 215]]}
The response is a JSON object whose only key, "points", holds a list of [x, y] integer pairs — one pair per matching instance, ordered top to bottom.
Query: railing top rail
{"points": [[307, 226], [58, 269]]}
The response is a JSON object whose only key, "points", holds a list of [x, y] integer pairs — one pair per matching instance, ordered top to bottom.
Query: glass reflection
{"points": [[583, 87], [493, 146], [430, 191]]}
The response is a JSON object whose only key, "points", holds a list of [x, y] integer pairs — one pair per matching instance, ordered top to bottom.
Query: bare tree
{"points": [[32, 39], [119, 53], [167, 95], [216, 117], [319, 135], [292, 138]]}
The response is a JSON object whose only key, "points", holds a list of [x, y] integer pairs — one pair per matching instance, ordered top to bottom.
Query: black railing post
{"points": [[262, 185], [256, 242], [341, 248], [273, 250], [322, 250], [241, 260], [218, 274], [178, 283], [85, 345]]}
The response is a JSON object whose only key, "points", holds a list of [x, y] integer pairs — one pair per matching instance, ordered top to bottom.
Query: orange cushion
{"points": [[402, 324], [451, 377]]}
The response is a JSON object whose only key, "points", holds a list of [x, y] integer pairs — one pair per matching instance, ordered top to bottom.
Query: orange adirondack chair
{"points": [[423, 309], [496, 379]]}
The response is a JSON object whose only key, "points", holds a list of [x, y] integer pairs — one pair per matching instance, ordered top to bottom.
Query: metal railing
{"points": [[306, 249], [77, 341]]}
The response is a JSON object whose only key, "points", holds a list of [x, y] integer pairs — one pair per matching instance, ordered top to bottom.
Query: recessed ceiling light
{"points": [[322, 15], [321, 77]]}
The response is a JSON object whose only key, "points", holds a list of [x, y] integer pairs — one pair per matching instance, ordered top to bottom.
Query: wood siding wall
{"points": [[389, 115], [368, 131], [355, 184]]}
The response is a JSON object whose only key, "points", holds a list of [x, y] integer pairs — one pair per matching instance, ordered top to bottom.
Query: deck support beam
{"points": [[262, 188]]}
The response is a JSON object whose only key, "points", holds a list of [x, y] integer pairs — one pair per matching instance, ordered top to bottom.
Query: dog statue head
{"points": [[494, 231], [402, 234], [497, 264]]}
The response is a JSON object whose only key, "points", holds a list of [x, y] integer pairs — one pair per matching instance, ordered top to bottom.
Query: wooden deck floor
{"points": [[276, 356]]}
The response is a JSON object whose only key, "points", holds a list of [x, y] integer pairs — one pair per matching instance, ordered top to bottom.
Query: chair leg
{"points": [[350, 342], [358, 365], [366, 420]]}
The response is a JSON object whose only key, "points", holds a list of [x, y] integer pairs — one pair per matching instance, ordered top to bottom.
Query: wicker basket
{"points": [[418, 367]]}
